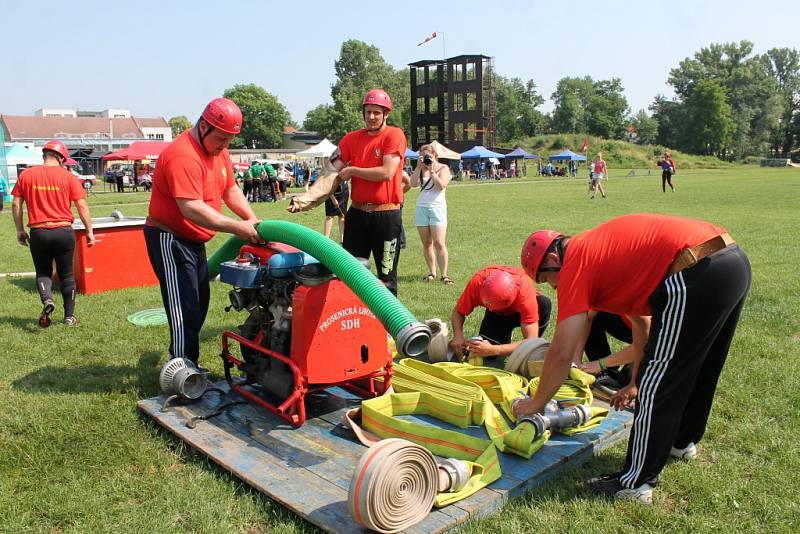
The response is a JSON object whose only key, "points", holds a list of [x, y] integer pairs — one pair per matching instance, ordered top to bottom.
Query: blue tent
{"points": [[480, 151], [519, 153], [410, 154], [567, 155]]}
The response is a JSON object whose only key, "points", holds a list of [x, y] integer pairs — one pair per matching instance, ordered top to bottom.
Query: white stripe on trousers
{"points": [[173, 294], [671, 323]]}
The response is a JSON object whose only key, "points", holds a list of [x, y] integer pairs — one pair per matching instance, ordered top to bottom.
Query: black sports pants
{"points": [[666, 178], [377, 233], [48, 244], [182, 271], [695, 313], [603, 325], [497, 329]]}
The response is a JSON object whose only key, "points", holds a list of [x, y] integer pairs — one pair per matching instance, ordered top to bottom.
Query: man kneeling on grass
{"points": [[682, 283]]}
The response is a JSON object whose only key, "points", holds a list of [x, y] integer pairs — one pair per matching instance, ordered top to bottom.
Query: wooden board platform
{"points": [[308, 469]]}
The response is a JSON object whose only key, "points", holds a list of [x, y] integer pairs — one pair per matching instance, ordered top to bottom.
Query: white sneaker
{"points": [[688, 453], [643, 494]]}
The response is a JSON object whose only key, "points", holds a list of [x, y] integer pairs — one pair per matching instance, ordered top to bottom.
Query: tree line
{"points": [[729, 102]]}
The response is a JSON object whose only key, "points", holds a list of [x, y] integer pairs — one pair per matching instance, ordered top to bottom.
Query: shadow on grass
{"points": [[25, 284], [27, 324], [95, 378]]}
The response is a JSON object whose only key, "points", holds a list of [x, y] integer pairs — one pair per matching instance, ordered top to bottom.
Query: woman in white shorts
{"points": [[430, 215]]}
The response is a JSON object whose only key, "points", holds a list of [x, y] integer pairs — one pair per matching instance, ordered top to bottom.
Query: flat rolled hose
{"points": [[411, 336], [527, 359], [394, 486]]}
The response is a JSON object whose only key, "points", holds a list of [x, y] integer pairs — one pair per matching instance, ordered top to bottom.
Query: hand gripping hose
{"points": [[412, 337]]}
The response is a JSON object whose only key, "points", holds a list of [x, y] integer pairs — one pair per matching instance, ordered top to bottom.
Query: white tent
{"points": [[323, 149]]}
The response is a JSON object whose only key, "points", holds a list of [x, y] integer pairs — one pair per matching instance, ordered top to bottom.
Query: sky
{"points": [[168, 58]]}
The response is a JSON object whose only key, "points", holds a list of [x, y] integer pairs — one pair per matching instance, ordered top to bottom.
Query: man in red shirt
{"points": [[372, 159], [193, 177], [49, 191], [682, 284], [511, 301]]}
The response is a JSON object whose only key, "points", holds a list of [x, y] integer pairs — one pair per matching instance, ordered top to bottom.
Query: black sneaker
{"points": [[47, 310], [607, 384], [607, 485]]}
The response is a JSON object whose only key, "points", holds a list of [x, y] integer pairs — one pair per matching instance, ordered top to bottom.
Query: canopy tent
{"points": [[323, 149], [138, 150], [480, 151], [442, 152], [519, 153], [18, 154], [410, 154], [567, 155]]}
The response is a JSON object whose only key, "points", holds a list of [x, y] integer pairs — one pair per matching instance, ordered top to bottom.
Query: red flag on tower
{"points": [[431, 37], [585, 146]]}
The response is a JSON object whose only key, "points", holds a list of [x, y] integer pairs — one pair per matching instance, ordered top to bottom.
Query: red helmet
{"points": [[378, 97], [224, 114], [58, 147], [534, 249], [499, 290]]}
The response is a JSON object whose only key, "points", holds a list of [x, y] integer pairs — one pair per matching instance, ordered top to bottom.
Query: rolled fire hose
{"points": [[412, 337], [438, 347], [527, 359], [395, 483], [393, 487]]}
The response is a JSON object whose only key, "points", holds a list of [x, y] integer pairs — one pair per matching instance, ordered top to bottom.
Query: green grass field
{"points": [[76, 456]]}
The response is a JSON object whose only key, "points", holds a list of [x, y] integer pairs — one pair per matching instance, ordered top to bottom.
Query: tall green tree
{"points": [[783, 65], [359, 68], [751, 83], [583, 105], [516, 115], [263, 116], [179, 124], [709, 125], [646, 128]]}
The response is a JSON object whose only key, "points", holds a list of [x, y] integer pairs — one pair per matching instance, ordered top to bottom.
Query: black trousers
{"points": [[666, 178], [376, 233], [47, 245], [182, 271], [695, 313], [603, 325], [497, 329]]}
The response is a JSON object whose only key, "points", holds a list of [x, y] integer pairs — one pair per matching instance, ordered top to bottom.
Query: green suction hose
{"points": [[411, 336]]}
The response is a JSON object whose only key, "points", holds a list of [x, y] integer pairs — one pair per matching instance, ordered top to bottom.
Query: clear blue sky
{"points": [[169, 58]]}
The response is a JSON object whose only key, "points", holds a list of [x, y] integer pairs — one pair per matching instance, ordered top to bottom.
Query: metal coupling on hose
{"points": [[413, 339], [539, 422], [453, 474]]}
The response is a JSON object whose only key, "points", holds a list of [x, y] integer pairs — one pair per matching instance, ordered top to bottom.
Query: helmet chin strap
{"points": [[201, 136]]}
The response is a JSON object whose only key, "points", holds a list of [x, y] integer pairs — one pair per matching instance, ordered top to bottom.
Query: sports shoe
{"points": [[47, 310], [71, 321], [688, 453], [610, 486], [642, 494]]}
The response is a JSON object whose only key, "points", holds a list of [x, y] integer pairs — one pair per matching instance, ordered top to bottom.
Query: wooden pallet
{"points": [[308, 469]]}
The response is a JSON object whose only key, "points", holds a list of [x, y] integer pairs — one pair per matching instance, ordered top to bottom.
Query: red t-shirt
{"points": [[359, 149], [600, 167], [184, 170], [49, 192], [616, 266], [525, 304]]}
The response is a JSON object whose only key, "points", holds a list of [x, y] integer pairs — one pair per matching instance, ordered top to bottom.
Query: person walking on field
{"points": [[667, 170], [600, 173], [193, 177], [48, 190], [430, 215], [682, 284]]}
